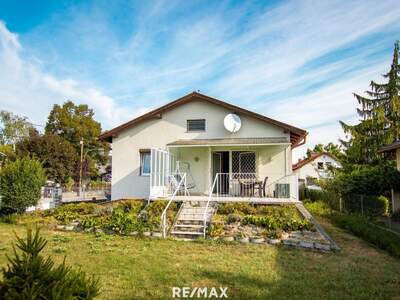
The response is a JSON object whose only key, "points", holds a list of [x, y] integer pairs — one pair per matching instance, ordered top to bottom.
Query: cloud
{"points": [[297, 61], [28, 90]]}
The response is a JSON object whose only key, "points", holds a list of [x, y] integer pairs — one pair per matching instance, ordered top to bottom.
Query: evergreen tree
{"points": [[380, 118]]}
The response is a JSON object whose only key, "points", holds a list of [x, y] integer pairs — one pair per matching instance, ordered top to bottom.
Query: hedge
{"points": [[360, 227]]}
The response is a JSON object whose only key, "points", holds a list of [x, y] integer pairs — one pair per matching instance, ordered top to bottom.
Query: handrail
{"points": [[208, 203], [164, 213]]}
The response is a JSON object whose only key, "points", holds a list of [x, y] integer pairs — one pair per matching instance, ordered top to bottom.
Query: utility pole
{"points": [[80, 168]]}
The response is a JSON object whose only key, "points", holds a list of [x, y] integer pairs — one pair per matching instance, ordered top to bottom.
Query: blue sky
{"points": [[296, 61]]}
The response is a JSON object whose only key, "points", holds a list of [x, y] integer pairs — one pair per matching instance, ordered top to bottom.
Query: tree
{"points": [[380, 118], [74, 123], [13, 128], [331, 148], [57, 156], [20, 184], [30, 276]]}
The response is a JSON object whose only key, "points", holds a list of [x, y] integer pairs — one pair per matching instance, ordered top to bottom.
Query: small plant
{"points": [[233, 218], [9, 219], [215, 230], [29, 275]]}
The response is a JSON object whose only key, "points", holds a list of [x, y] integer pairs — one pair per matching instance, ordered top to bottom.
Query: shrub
{"points": [[20, 184], [331, 198], [130, 205], [318, 208], [233, 218], [122, 222], [274, 223], [360, 226], [215, 230], [31, 276]]}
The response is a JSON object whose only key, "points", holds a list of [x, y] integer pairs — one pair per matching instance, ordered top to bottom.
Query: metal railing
{"points": [[251, 185], [181, 187], [208, 204]]}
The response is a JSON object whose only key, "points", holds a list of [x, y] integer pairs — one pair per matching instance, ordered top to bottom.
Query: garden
{"points": [[125, 217], [258, 223]]}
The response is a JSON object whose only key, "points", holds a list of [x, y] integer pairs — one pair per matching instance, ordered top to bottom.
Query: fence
{"points": [[368, 205]]}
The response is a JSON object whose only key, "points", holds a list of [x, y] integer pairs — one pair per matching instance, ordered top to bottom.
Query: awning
{"points": [[232, 142]]}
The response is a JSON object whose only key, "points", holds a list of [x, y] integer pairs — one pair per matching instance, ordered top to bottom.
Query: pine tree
{"points": [[380, 117]]}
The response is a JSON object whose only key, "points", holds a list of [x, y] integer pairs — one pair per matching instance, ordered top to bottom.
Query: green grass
{"points": [[132, 268]]}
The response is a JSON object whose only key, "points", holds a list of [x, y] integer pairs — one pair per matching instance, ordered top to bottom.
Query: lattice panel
{"points": [[243, 162]]}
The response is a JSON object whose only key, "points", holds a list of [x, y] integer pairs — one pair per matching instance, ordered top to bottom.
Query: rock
{"points": [[75, 223], [60, 227], [69, 227], [89, 230], [98, 230], [133, 233], [146, 233], [157, 234], [285, 235], [228, 238], [243, 239], [257, 240], [274, 241], [290, 242], [306, 244], [324, 247]]}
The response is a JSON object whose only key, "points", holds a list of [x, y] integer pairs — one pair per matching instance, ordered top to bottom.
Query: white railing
{"points": [[252, 185], [181, 186], [207, 205]]}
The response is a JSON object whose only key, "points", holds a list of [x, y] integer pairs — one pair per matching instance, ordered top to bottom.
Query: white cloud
{"points": [[28, 90]]}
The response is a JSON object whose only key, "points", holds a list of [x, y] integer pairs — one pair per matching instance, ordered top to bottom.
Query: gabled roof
{"points": [[296, 134], [390, 147], [307, 160]]}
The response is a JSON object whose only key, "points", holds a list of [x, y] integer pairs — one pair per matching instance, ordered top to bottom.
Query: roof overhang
{"points": [[297, 135], [230, 142]]}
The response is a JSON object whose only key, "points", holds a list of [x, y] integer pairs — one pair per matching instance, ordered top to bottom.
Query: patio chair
{"points": [[260, 187], [246, 188]]}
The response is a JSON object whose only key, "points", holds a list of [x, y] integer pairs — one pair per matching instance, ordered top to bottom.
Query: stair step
{"points": [[189, 225], [187, 232]]}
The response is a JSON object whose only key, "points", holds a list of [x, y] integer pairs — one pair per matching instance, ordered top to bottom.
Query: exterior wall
{"points": [[311, 170], [126, 179]]}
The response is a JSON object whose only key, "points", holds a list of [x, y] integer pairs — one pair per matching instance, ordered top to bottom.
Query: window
{"points": [[196, 125], [145, 162], [243, 162], [328, 164], [320, 166]]}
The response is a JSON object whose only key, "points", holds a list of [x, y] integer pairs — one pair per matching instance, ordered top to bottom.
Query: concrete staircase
{"points": [[189, 223]]}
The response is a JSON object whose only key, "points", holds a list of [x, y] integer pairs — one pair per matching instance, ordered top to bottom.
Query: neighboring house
{"points": [[224, 150], [394, 150], [317, 166]]}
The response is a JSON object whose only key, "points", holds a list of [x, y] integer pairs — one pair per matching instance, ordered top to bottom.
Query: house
{"points": [[206, 147], [394, 151], [317, 166]]}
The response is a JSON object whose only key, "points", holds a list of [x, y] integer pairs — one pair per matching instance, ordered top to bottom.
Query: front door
{"points": [[220, 166]]}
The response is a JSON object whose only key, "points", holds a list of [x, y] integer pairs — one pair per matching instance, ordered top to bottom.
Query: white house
{"points": [[206, 147], [394, 151], [315, 167]]}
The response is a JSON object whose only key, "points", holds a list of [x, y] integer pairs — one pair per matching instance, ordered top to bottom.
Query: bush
{"points": [[20, 184], [331, 198], [318, 208], [233, 218], [274, 223], [360, 226], [31, 276]]}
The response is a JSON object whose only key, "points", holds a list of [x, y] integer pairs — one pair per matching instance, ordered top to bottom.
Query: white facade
{"points": [[272, 160], [317, 168]]}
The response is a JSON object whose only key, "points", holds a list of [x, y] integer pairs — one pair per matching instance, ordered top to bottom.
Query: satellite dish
{"points": [[232, 123]]}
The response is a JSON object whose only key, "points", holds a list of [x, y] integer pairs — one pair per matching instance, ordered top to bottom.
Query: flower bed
{"points": [[128, 217], [265, 223]]}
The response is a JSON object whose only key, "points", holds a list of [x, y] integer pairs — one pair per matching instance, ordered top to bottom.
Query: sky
{"points": [[296, 61]]}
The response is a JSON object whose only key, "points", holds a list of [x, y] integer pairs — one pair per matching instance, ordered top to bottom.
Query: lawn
{"points": [[131, 268]]}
